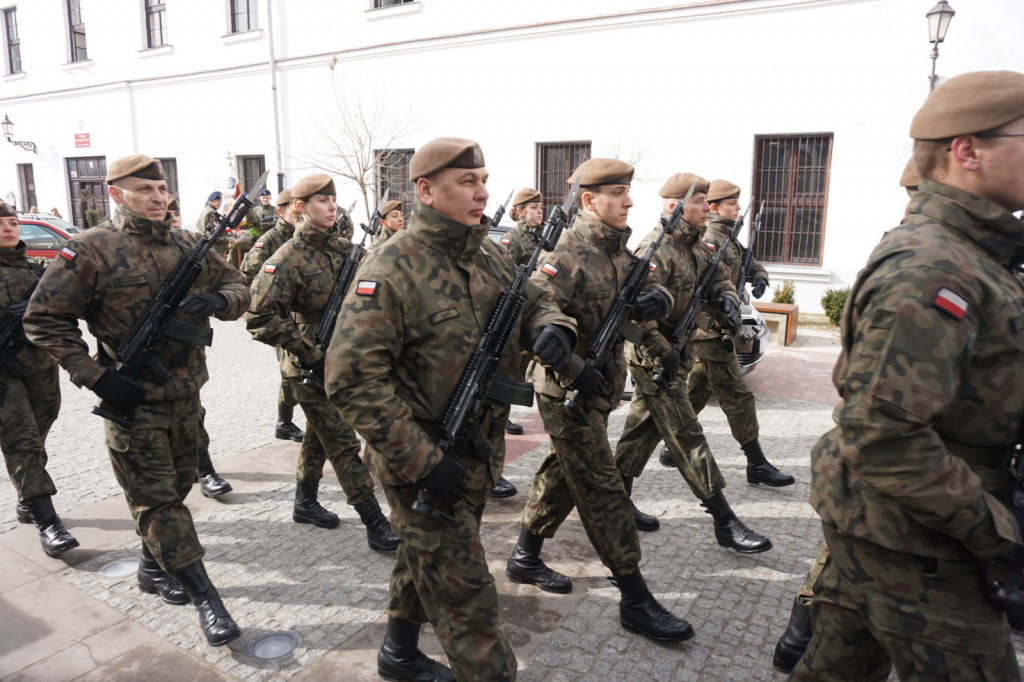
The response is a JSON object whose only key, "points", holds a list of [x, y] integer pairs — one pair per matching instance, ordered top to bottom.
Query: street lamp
{"points": [[938, 23], [7, 125]]}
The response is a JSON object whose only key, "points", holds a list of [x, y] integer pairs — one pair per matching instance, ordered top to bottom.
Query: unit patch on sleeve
{"points": [[505, 241], [67, 254], [269, 267], [549, 269], [366, 287], [951, 302]]}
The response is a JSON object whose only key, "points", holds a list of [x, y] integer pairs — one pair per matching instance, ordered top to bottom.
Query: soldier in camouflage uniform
{"points": [[266, 212], [528, 212], [207, 217], [393, 221], [265, 247], [584, 274], [107, 276], [288, 300], [406, 331], [716, 367], [29, 397], [661, 410], [913, 482]]}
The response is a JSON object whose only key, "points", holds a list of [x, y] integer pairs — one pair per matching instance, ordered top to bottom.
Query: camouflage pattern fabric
{"points": [[267, 215], [204, 224], [383, 234], [246, 235], [715, 237], [521, 241], [265, 247], [717, 370], [30, 405], [202, 437], [327, 437], [806, 591]]}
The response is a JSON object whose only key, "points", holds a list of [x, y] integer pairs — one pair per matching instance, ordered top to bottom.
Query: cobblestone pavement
{"points": [[63, 620]]}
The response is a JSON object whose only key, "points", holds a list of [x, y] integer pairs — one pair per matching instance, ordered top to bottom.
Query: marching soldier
{"points": [[265, 211], [207, 218], [393, 221], [583, 275], [107, 276], [288, 299], [406, 331], [29, 397], [662, 411], [913, 483]]}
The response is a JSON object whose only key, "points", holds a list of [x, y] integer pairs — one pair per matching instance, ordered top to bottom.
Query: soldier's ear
{"points": [[965, 150], [425, 191], [114, 192]]}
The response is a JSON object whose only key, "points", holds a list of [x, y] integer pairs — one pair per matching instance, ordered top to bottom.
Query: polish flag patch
{"points": [[506, 241], [258, 245], [711, 245], [67, 254], [270, 267], [653, 267], [549, 269], [366, 287], [951, 302]]}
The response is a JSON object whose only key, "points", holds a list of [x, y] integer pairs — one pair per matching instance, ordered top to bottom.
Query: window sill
{"points": [[392, 10], [241, 37], [156, 51], [82, 64], [15, 76], [798, 273]]}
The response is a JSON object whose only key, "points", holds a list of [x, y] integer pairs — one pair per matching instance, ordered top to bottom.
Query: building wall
{"points": [[672, 87]]}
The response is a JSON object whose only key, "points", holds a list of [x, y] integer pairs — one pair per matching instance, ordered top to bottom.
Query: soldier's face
{"points": [[1000, 171], [459, 193], [147, 198], [265, 199], [216, 203], [610, 204], [727, 208], [320, 210], [696, 212], [286, 213], [533, 213], [175, 219], [394, 220], [9, 232]]}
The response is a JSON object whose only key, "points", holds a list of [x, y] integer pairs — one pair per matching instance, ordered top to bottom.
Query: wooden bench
{"points": [[782, 319]]}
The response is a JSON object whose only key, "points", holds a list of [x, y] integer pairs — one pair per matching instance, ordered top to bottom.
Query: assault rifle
{"points": [[500, 213], [748, 255], [687, 321], [325, 328], [607, 334], [12, 339], [134, 353], [471, 393]]}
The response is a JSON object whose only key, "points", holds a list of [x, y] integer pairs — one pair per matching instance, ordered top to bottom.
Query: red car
{"points": [[44, 234]]}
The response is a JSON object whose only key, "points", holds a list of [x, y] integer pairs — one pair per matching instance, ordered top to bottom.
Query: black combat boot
{"points": [[286, 429], [513, 429], [665, 458], [759, 469], [210, 482], [503, 489], [308, 510], [23, 513], [644, 522], [378, 529], [730, 531], [53, 536], [525, 566], [154, 580], [640, 612], [214, 619], [794, 640], [399, 657]]}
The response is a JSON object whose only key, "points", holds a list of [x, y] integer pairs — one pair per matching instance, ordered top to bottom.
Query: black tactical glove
{"points": [[758, 286], [203, 305], [652, 305], [17, 309], [732, 311], [552, 344], [670, 365], [317, 367], [589, 382], [119, 391], [479, 445], [446, 481]]}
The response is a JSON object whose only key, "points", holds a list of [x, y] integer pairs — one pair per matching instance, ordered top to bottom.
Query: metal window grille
{"points": [[243, 15], [156, 23], [76, 31], [13, 41], [555, 163], [250, 168], [171, 171], [392, 174], [791, 176], [27, 184], [87, 188]]}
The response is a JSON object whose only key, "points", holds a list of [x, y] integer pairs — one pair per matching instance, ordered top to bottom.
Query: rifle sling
{"points": [[180, 330], [632, 333], [168, 360], [510, 392]]}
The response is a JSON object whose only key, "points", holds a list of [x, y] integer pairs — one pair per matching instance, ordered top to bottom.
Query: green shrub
{"points": [[785, 292], [832, 302]]}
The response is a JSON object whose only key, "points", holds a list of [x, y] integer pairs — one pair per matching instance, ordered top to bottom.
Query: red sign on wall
{"points": [[82, 140]]}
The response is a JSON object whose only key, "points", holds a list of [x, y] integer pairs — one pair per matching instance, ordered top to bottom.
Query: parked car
{"points": [[44, 234]]}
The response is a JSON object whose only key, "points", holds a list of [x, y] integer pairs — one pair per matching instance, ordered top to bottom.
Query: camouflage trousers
{"points": [[717, 370], [285, 396], [27, 411], [657, 414], [202, 436], [329, 438], [154, 462], [579, 472], [441, 576], [806, 592], [876, 608]]}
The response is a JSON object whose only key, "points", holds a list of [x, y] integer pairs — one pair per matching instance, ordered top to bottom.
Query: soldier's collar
{"points": [[984, 222], [133, 223], [600, 233], [449, 236], [14, 256]]}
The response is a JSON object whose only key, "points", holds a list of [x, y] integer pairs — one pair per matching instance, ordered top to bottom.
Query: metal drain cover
{"points": [[122, 568], [272, 646]]}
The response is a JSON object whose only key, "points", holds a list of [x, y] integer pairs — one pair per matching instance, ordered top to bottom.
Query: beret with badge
{"points": [[970, 103], [445, 152], [136, 166], [597, 172], [318, 183], [678, 185], [721, 189], [526, 195], [214, 196]]}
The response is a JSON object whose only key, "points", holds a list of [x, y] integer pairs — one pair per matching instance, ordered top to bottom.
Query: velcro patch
{"points": [[506, 241], [258, 245], [711, 245], [67, 254], [269, 267], [653, 267], [549, 269], [366, 287], [951, 302], [444, 315]]}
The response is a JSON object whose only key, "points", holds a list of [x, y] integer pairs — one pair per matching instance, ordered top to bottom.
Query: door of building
{"points": [[87, 190]]}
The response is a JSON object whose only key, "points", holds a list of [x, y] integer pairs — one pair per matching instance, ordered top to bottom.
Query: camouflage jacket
{"points": [[267, 215], [204, 224], [248, 232], [383, 234], [715, 236], [521, 241], [265, 247], [677, 265], [584, 274], [17, 275], [106, 276], [290, 293], [407, 329], [930, 377]]}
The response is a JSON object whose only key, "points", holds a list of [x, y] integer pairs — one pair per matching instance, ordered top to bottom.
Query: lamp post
{"points": [[938, 23], [7, 126]]}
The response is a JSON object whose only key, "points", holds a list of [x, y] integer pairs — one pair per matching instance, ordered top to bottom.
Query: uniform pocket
{"points": [[116, 438], [934, 626]]}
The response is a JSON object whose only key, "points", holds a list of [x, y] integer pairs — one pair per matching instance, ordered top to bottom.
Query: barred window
{"points": [[243, 15], [156, 23], [76, 32], [13, 41], [555, 163], [250, 169], [392, 174], [791, 176], [27, 184]]}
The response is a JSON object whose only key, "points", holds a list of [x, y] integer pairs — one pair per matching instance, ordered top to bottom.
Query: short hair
{"points": [[931, 158]]}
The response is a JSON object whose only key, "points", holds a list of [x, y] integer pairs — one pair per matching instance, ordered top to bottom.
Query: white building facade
{"points": [[805, 104]]}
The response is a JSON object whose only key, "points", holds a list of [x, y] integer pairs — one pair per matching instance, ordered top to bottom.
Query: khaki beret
{"points": [[970, 103], [445, 152], [137, 166], [596, 172], [910, 178], [318, 183], [678, 185], [721, 189], [526, 195], [284, 198], [172, 205], [391, 206], [7, 211]]}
